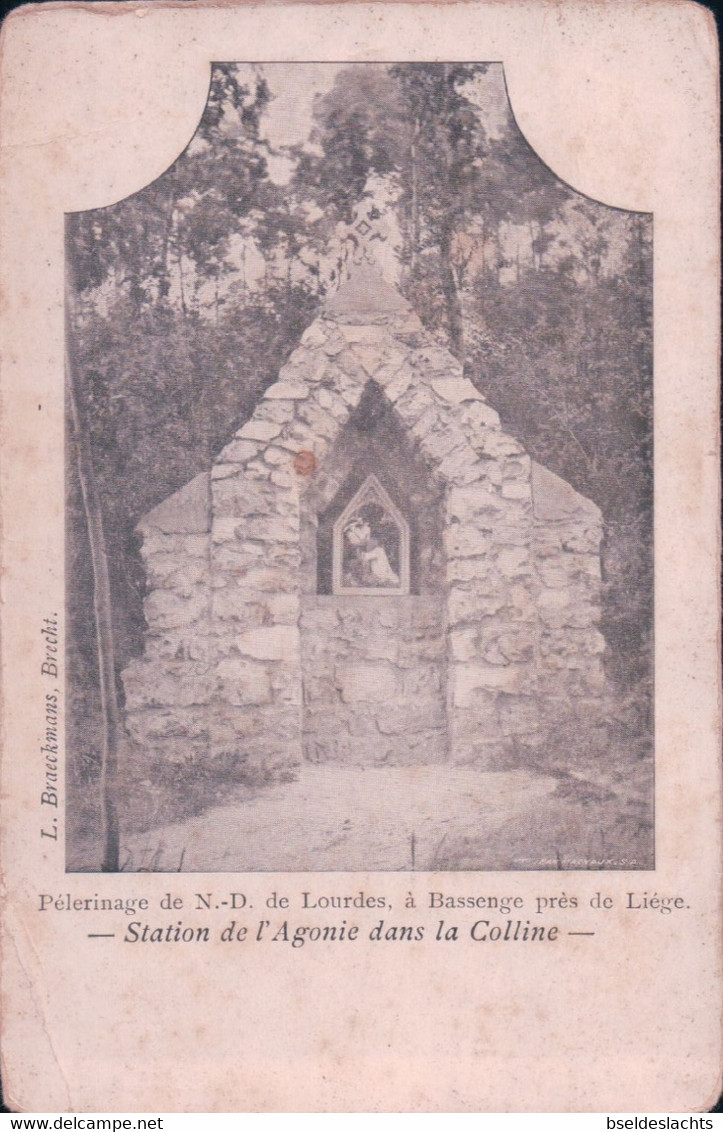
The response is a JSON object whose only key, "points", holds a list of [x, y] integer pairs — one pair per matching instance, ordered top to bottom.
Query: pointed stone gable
{"points": [[518, 597]]}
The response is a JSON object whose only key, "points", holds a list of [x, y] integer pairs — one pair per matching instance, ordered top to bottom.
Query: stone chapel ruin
{"points": [[372, 571]]}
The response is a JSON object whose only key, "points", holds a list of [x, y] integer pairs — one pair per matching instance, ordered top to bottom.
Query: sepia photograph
{"points": [[359, 493]]}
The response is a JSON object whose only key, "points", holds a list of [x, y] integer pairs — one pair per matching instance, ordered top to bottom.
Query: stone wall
{"points": [[567, 537], [254, 576], [247, 650], [374, 679], [167, 691]]}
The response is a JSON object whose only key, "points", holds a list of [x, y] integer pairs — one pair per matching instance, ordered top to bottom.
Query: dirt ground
{"points": [[348, 818]]}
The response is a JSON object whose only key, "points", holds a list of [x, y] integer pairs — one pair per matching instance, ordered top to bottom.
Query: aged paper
{"points": [[360, 558]]}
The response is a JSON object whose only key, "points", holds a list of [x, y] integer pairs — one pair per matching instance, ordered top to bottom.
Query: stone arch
{"points": [[368, 334], [373, 441], [517, 579], [373, 665]]}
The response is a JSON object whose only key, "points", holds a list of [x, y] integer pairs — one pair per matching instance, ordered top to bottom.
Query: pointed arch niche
{"points": [[373, 450], [370, 544], [373, 650]]}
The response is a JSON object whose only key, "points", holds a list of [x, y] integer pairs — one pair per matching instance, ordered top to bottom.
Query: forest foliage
{"points": [[190, 294]]}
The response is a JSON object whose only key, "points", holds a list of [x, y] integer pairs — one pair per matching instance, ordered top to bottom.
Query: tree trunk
{"points": [[415, 195], [164, 283], [451, 298], [101, 602]]}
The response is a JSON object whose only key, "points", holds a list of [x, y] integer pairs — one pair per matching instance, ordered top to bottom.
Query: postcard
{"points": [[360, 497]]}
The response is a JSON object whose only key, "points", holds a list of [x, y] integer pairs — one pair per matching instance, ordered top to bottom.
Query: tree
{"points": [[414, 124], [190, 294], [160, 374], [102, 600]]}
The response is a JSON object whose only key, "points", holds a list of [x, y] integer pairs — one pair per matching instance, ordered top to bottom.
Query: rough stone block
{"points": [[370, 335], [314, 336], [335, 341], [370, 356], [394, 359], [433, 359], [304, 366], [396, 384], [456, 390], [287, 391], [413, 403], [333, 404], [276, 412], [477, 417], [318, 420], [262, 430], [436, 442], [498, 444], [238, 452], [278, 457], [459, 467], [516, 468], [257, 470], [223, 471], [283, 476], [512, 489], [236, 497], [555, 499], [465, 504], [227, 529], [271, 529], [464, 540], [584, 541], [232, 561], [512, 561], [588, 564], [471, 570], [176, 572], [554, 572], [270, 579], [233, 603], [471, 603], [521, 604], [563, 607], [165, 609], [283, 609], [274, 642], [572, 642], [375, 643], [464, 643], [180, 644], [518, 646], [595, 676], [421, 680], [467, 680], [243, 683], [371, 683], [286, 684], [168, 685], [318, 688], [518, 715], [400, 719], [180, 726], [247, 727], [473, 730], [327, 746], [482, 752]]}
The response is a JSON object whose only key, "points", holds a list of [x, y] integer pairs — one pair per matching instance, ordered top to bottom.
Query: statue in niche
{"points": [[371, 544], [367, 550]]}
